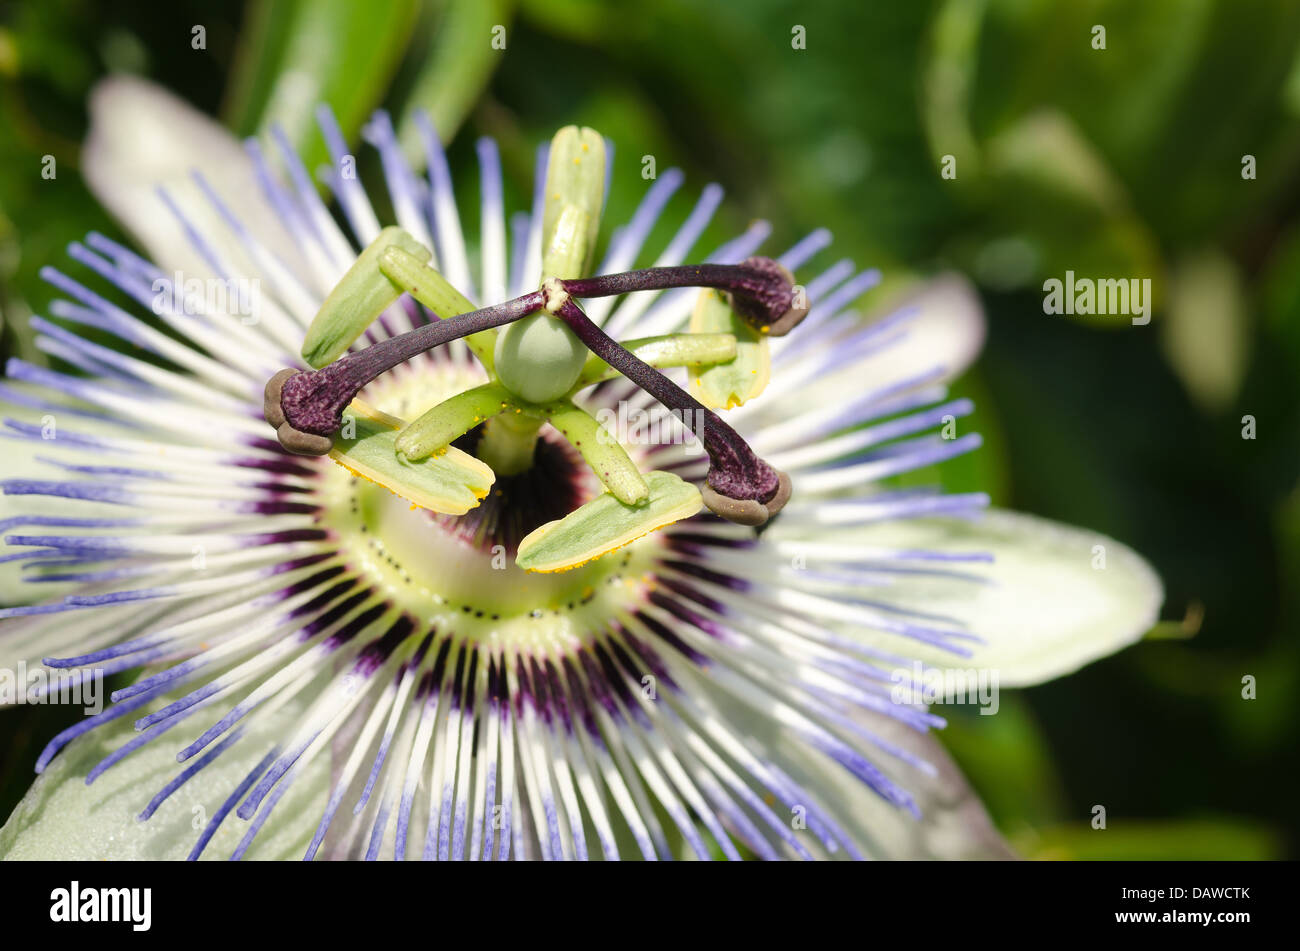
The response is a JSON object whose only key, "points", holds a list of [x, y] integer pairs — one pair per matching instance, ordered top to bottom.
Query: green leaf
{"points": [[299, 54], [453, 75], [1207, 328], [731, 384], [451, 483], [605, 524], [1008, 759], [1181, 840]]}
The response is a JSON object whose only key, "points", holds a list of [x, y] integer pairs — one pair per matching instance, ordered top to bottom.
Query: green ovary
{"points": [[539, 358]]}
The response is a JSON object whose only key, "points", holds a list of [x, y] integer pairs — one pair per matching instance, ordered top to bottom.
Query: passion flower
{"points": [[348, 640]]}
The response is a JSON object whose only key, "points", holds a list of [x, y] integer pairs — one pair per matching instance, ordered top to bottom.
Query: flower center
{"points": [[539, 350], [537, 368], [459, 573]]}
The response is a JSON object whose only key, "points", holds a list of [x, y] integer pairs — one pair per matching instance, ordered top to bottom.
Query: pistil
{"points": [[762, 290], [306, 407], [740, 486]]}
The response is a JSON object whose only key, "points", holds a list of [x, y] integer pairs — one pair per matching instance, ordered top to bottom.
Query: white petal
{"points": [[142, 137], [935, 329], [948, 329], [930, 335], [21, 461], [1047, 608], [61, 818], [953, 823]]}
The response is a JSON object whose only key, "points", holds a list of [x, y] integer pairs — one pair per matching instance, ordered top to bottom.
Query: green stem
{"points": [[509, 442]]}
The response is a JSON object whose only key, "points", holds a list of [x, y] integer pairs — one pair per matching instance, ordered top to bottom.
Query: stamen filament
{"points": [[435, 292], [359, 298], [601, 451]]}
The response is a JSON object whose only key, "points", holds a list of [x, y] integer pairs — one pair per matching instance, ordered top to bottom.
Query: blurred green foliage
{"points": [[1125, 161]]}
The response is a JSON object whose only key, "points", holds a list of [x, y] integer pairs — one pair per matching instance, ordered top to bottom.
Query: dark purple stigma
{"points": [[762, 291], [306, 407], [740, 486]]}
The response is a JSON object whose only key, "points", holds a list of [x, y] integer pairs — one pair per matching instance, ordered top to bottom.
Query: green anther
{"points": [[575, 194], [567, 252], [435, 292], [358, 300], [662, 352], [538, 357], [732, 383], [451, 419], [602, 452], [451, 483], [605, 524]]}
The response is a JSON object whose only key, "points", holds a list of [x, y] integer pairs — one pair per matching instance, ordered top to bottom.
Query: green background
{"points": [[1123, 161]]}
